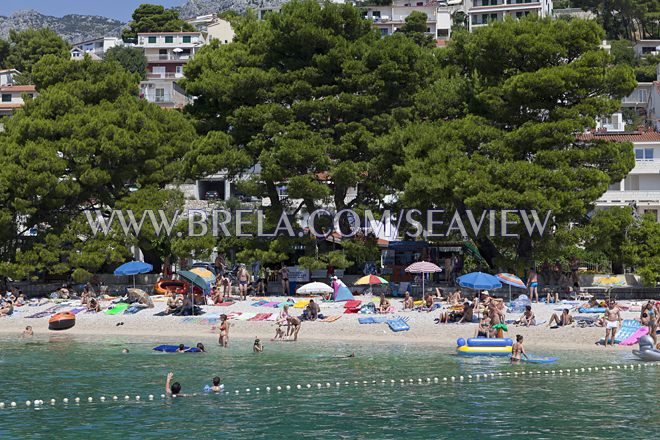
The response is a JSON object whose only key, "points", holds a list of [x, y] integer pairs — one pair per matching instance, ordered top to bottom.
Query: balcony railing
{"points": [[169, 57], [167, 75]]}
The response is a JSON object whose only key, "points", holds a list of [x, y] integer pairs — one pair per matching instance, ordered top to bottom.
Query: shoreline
{"points": [[423, 330]]}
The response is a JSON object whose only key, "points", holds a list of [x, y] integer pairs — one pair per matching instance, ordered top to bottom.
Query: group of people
{"points": [[247, 283], [88, 299], [288, 321]]}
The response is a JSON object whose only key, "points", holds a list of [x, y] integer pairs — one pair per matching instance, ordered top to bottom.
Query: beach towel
{"points": [[259, 303], [285, 303], [224, 304], [270, 304], [301, 304], [352, 304], [117, 309], [77, 310], [592, 310], [49, 311], [233, 315], [245, 316], [260, 317], [272, 317], [331, 318], [513, 321], [398, 324], [634, 338]]}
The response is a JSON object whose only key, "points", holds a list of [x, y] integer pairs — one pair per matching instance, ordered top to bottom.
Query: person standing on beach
{"points": [[284, 274], [243, 277], [533, 285], [650, 319], [612, 320], [224, 331]]}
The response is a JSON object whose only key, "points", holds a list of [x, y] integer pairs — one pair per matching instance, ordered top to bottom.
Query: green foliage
{"points": [[154, 18], [628, 19], [415, 27], [27, 47], [623, 52], [4, 53], [131, 58], [647, 68], [80, 145], [642, 249], [335, 258]]}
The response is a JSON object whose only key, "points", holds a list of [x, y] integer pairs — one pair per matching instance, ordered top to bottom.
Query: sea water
{"points": [[617, 403]]}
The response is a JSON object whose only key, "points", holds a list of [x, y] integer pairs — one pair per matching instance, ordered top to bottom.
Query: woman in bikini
{"points": [[384, 306], [224, 331], [518, 350]]}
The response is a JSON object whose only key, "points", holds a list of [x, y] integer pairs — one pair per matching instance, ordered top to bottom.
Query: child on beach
{"points": [[408, 302], [384, 306], [28, 333], [279, 333], [223, 339], [518, 350]]}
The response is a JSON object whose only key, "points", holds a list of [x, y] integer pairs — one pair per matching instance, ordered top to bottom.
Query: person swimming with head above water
{"points": [[257, 347], [201, 348], [217, 386], [173, 389]]}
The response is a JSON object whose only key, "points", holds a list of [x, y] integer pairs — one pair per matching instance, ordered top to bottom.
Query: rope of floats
{"points": [[409, 381]]}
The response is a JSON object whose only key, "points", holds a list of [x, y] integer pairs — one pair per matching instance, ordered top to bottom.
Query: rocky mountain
{"points": [[193, 8], [73, 28]]}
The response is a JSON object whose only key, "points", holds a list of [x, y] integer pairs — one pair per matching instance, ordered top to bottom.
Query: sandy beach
{"points": [[423, 329]]}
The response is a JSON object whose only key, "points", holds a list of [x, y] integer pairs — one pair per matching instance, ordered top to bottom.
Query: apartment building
{"points": [[482, 12], [95, 48], [167, 53], [12, 97]]}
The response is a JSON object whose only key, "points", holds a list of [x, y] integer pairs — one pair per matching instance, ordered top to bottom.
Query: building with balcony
{"points": [[482, 12], [389, 18], [215, 28], [645, 47], [95, 48], [167, 53], [8, 77], [12, 97], [653, 105], [641, 187]]}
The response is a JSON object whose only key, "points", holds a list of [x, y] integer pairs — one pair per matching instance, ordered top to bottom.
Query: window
{"points": [[420, 3], [375, 14], [428, 30], [384, 32], [443, 33], [186, 38], [169, 39], [152, 40], [179, 70], [30, 95], [160, 95], [6, 97], [644, 153]]}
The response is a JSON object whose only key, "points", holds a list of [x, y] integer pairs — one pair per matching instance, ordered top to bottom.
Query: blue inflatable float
{"points": [[174, 348]]}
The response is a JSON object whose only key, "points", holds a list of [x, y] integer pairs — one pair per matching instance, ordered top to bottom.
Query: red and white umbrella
{"points": [[423, 267]]}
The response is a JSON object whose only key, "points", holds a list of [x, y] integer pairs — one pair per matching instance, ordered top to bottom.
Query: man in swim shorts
{"points": [[243, 278], [533, 285], [612, 320], [561, 321]]}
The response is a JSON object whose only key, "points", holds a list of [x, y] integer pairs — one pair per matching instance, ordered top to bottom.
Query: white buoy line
{"points": [[392, 382]]}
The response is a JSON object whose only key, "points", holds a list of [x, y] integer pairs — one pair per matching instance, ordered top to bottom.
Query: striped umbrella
{"points": [[423, 267], [204, 273], [370, 280], [511, 280]]}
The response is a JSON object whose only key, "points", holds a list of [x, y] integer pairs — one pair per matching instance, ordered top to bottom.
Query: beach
{"points": [[423, 329]]}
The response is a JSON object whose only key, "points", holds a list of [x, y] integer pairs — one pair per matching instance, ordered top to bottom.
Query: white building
{"points": [[482, 12], [389, 19], [215, 27], [644, 47], [95, 48], [167, 53], [7, 77], [11, 97], [653, 105], [641, 187]]}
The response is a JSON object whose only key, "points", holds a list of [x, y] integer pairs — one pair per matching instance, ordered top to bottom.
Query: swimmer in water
{"points": [[28, 333], [200, 347], [257, 347], [181, 349], [124, 350], [518, 350], [217, 387], [173, 389]]}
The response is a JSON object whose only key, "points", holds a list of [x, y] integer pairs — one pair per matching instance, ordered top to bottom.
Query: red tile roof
{"points": [[169, 33], [18, 89], [6, 105], [649, 136]]}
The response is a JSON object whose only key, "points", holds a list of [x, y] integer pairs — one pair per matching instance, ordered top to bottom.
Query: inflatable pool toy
{"points": [[175, 286], [592, 310], [62, 321], [484, 346], [174, 348], [646, 351], [533, 360]]}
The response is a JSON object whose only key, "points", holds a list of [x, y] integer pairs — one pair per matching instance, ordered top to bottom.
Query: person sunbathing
{"points": [[438, 294], [552, 297], [454, 298], [408, 302], [428, 304], [93, 305], [384, 306], [8, 309], [468, 313], [528, 318], [561, 321]]}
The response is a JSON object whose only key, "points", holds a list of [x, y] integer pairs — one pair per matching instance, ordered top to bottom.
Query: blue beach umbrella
{"points": [[133, 268], [195, 280], [479, 281]]}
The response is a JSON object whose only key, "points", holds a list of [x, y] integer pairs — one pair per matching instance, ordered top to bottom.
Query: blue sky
{"points": [[119, 9]]}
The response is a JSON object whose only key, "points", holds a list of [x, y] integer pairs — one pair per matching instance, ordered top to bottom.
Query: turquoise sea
{"points": [[590, 405]]}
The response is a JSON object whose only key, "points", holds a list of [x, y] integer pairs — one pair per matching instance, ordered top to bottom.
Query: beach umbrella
{"points": [[423, 267], [133, 268], [204, 273], [195, 280], [370, 280], [511, 280], [479, 281], [314, 288], [140, 296]]}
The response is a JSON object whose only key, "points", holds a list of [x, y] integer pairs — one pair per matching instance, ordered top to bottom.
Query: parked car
{"points": [[211, 195]]}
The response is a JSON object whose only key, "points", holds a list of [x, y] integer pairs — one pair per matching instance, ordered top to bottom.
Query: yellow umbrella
{"points": [[206, 274]]}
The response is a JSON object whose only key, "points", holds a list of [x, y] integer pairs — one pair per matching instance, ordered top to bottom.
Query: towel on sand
{"points": [[260, 317], [331, 318]]}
